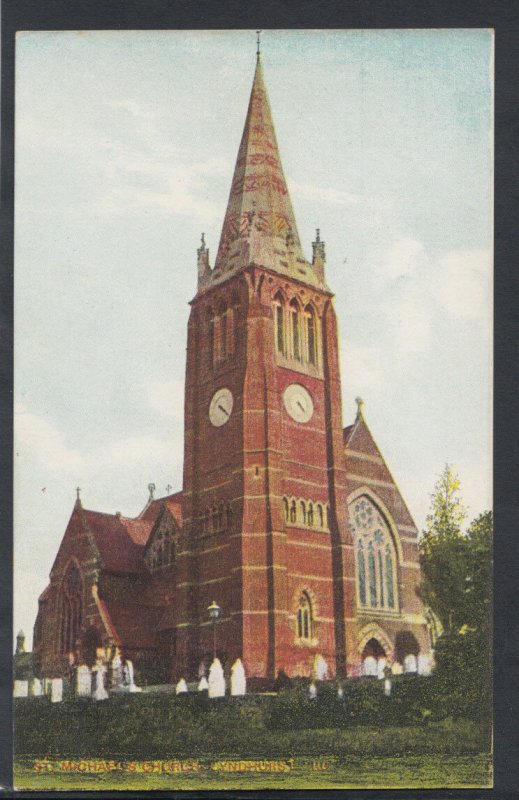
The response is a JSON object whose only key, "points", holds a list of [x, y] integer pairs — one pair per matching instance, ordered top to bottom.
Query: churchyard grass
{"points": [[149, 738]]}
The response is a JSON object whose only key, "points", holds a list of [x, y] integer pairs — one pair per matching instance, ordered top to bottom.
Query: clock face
{"points": [[298, 402], [220, 407]]}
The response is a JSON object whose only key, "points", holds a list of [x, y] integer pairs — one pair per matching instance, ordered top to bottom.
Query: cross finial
{"points": [[258, 51], [168, 488], [78, 491]]}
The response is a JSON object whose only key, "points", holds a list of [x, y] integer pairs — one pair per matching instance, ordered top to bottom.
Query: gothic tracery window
{"points": [[279, 322], [295, 330], [311, 340], [161, 551], [375, 555], [71, 608]]}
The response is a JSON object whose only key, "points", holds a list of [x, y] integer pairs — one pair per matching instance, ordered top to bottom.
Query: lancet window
{"points": [[221, 332], [296, 332], [305, 513], [216, 519], [375, 556], [71, 608], [305, 621]]}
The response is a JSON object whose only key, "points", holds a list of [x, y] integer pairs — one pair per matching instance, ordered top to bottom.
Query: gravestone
{"points": [[410, 663], [424, 665], [320, 668], [117, 670], [99, 671], [128, 678], [238, 679], [216, 680], [83, 681], [203, 686], [181, 687], [36, 688], [21, 689], [56, 690], [312, 691]]}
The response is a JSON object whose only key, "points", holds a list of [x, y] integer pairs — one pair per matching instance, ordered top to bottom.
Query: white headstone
{"points": [[410, 663], [381, 665], [424, 665], [369, 666], [320, 668], [117, 671], [128, 677], [216, 679], [238, 680], [83, 681], [203, 686], [36, 687], [181, 687], [387, 687], [21, 689], [56, 690], [312, 691], [100, 692], [340, 692]]}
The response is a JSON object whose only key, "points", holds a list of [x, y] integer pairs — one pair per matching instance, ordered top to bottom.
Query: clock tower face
{"points": [[298, 402], [220, 407]]}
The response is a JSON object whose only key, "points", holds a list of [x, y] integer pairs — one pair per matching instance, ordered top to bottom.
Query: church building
{"points": [[287, 522]]}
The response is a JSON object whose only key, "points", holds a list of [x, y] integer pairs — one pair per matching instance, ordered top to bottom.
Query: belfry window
{"points": [[279, 321], [296, 333], [311, 341], [375, 555], [71, 608], [304, 618]]}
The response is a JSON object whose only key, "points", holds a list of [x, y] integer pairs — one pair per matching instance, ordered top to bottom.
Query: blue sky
{"points": [[125, 148]]}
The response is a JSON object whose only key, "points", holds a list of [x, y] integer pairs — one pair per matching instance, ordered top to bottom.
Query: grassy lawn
{"points": [[283, 742], [429, 771]]}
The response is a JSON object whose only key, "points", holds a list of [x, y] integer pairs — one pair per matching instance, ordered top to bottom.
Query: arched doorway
{"points": [[91, 641], [407, 650], [374, 659]]}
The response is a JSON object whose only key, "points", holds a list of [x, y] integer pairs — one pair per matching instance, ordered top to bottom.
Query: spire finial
{"points": [[258, 51], [317, 235], [202, 241], [360, 407], [151, 490], [78, 492]]}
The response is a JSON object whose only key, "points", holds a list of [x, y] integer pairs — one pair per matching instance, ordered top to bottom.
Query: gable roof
{"points": [[173, 503], [120, 540]]}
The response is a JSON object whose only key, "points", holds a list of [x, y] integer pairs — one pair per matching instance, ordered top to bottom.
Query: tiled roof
{"points": [[346, 433], [173, 502], [120, 541]]}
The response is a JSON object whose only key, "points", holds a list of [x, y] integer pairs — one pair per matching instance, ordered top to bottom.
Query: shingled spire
{"points": [[259, 225]]}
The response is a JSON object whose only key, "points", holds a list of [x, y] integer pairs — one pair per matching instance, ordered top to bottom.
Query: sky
{"points": [[125, 148]]}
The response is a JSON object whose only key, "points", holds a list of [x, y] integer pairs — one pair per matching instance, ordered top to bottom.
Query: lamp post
{"points": [[214, 612]]}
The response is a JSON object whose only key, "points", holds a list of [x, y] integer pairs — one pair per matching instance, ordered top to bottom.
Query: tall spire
{"points": [[259, 225]]}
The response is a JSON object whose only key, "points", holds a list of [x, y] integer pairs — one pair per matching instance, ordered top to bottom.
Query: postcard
{"points": [[253, 409]]}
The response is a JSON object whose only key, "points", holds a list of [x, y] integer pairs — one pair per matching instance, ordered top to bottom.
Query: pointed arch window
{"points": [[279, 323], [295, 327], [210, 336], [311, 336], [285, 508], [293, 511], [303, 511], [161, 550], [376, 555], [361, 573], [71, 608], [305, 617]]}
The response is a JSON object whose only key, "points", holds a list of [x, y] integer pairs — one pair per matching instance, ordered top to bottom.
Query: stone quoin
{"points": [[291, 523]]}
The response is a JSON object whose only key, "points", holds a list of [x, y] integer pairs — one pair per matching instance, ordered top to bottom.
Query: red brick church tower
{"points": [[265, 522]]}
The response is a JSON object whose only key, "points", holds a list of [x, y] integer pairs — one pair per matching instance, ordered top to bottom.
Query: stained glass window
{"points": [[376, 555]]}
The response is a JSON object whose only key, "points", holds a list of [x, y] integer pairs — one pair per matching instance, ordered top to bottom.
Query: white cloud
{"points": [[323, 194], [402, 257], [462, 282], [363, 369], [168, 398], [36, 435], [133, 449]]}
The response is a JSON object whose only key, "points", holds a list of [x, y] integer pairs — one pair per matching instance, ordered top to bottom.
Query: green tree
{"points": [[443, 553]]}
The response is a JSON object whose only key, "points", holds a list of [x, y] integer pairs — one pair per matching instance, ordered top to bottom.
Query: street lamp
{"points": [[214, 612]]}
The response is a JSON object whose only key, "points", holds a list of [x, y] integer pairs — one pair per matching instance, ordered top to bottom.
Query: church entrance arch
{"points": [[91, 641], [374, 659]]}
